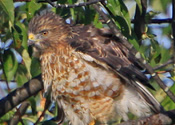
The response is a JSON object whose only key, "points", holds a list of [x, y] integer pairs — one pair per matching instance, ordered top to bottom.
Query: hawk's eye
{"points": [[44, 32]]}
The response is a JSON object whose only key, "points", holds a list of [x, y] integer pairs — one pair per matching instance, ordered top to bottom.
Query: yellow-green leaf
{"points": [[139, 5], [8, 7], [27, 61], [10, 65]]}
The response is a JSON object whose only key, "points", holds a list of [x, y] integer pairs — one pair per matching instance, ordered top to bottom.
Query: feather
{"points": [[111, 54]]}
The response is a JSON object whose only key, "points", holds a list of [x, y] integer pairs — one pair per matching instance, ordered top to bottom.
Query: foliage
{"points": [[18, 64]]}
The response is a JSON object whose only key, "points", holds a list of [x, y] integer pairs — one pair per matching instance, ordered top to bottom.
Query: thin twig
{"points": [[72, 5], [157, 21], [165, 64], [169, 70], [14, 81], [47, 104]]}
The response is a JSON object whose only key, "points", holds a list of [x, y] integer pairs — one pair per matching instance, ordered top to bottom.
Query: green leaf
{"points": [[157, 4], [139, 5], [8, 7], [33, 7], [114, 7], [72, 10], [63, 12], [89, 15], [126, 15], [149, 15], [122, 18], [96, 21], [122, 23], [23, 34], [17, 36], [133, 41], [165, 55], [27, 61], [153, 63], [10, 65], [35, 67], [21, 77], [160, 95], [168, 104], [33, 105], [6, 117], [30, 118], [48, 122]]}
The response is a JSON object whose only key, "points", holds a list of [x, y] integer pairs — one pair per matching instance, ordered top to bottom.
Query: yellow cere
{"points": [[31, 36]]}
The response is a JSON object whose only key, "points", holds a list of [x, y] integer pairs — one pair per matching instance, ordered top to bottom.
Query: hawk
{"points": [[89, 72]]}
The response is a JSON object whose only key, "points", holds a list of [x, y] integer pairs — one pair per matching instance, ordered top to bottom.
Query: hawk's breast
{"points": [[71, 75], [78, 80]]}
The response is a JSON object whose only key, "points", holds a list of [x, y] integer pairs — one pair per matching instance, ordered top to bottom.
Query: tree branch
{"points": [[21, 0], [71, 5], [157, 21], [35, 85], [20, 94], [21, 111], [166, 118]]}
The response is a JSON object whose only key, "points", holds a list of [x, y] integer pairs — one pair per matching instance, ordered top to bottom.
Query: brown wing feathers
{"points": [[104, 47]]}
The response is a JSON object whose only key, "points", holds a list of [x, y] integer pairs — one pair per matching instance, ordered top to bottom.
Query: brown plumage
{"points": [[91, 74]]}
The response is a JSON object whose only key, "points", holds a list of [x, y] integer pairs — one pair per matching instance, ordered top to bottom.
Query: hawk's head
{"points": [[46, 29]]}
